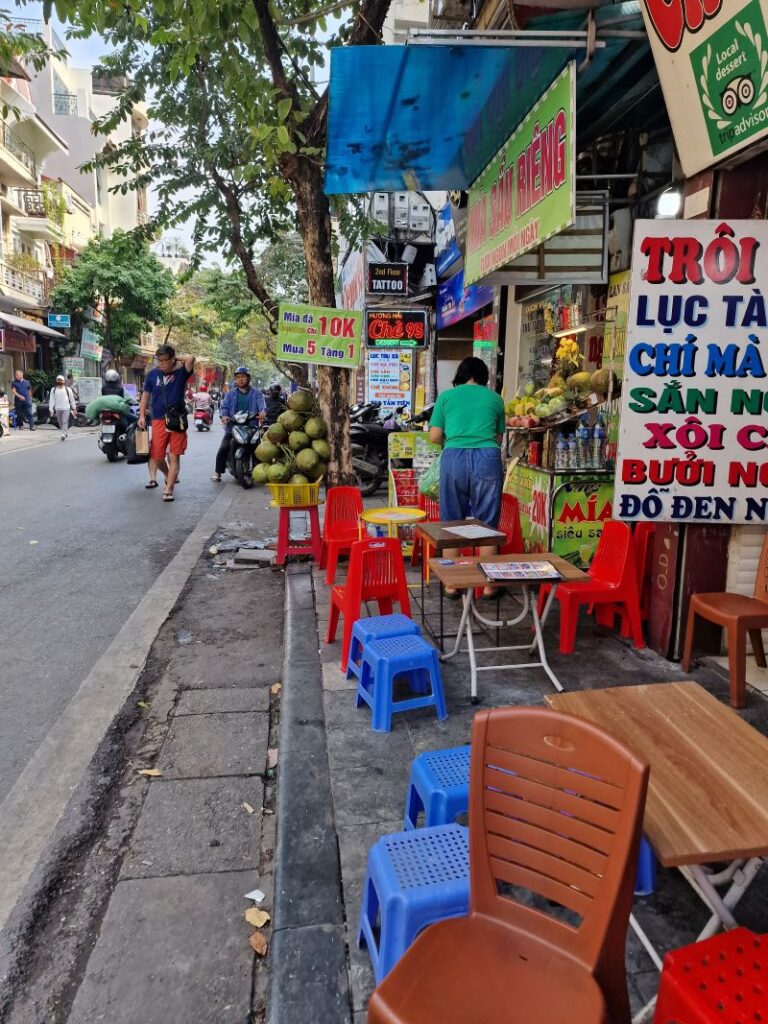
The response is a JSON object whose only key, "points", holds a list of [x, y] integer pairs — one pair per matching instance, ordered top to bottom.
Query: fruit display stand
{"points": [[561, 459]]}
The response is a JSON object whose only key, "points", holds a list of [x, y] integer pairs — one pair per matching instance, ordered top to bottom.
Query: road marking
{"points": [[35, 805]]}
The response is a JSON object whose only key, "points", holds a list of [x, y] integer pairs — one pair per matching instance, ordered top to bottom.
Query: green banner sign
{"points": [[526, 194], [317, 334], [579, 512]]}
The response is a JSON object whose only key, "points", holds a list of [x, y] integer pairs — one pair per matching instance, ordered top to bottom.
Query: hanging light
{"points": [[669, 203]]}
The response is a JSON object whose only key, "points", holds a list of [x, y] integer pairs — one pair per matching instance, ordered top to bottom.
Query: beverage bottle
{"points": [[598, 443], [583, 447], [572, 452], [561, 453]]}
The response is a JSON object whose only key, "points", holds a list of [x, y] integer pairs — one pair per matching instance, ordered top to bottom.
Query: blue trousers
{"points": [[470, 484]]}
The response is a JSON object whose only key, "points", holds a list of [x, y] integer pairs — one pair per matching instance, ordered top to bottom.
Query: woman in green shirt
{"points": [[469, 422]]}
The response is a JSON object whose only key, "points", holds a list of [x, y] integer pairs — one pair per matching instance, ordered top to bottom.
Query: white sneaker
{"points": [[63, 437]]}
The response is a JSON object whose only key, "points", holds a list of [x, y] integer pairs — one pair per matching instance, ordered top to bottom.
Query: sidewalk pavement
{"points": [[20, 440], [369, 773], [157, 933]]}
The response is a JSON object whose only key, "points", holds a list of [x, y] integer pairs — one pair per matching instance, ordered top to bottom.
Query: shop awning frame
{"points": [[430, 116], [21, 324]]}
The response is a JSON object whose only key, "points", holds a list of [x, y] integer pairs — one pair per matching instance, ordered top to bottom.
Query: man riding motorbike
{"points": [[112, 386], [242, 398], [274, 402]]}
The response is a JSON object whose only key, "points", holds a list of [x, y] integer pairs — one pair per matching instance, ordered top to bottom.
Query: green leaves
{"points": [[284, 108]]}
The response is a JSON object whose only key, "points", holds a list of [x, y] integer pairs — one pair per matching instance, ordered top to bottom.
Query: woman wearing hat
{"points": [[61, 401]]}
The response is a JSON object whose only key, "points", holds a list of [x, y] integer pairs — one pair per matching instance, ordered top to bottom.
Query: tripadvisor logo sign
{"points": [[731, 72]]}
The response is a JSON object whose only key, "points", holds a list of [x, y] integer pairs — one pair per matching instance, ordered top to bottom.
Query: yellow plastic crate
{"points": [[294, 495]]}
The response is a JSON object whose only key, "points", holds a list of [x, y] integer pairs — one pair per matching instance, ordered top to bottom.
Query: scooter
{"points": [[203, 419], [111, 436], [246, 436]]}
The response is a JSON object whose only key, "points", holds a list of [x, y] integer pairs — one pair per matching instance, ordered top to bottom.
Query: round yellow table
{"points": [[392, 517]]}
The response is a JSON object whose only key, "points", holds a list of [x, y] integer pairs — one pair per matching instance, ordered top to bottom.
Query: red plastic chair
{"points": [[432, 508], [509, 523], [341, 526], [642, 540], [376, 573], [613, 580]]}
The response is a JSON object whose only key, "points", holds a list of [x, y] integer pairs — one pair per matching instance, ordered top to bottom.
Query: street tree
{"points": [[238, 131], [122, 277]]}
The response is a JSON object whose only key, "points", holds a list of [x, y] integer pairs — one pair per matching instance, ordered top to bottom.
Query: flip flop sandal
{"points": [[151, 485], [168, 497]]}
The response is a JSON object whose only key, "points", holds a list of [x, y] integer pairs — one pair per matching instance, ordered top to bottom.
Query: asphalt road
{"points": [[81, 542]]}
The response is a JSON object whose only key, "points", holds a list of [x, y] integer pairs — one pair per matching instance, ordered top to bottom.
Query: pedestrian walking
{"points": [[73, 387], [164, 390], [22, 401], [61, 401]]}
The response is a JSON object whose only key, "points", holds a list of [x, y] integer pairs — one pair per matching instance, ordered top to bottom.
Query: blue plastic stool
{"points": [[376, 627], [382, 661], [439, 786], [414, 879], [645, 883]]}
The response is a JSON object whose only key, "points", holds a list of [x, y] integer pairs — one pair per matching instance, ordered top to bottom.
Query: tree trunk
{"points": [[333, 383]]}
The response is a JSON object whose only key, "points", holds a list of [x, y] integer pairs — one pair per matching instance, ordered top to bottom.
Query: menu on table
{"points": [[520, 571]]}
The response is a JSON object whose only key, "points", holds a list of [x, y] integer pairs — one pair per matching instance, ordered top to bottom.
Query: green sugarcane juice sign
{"points": [[527, 193], [318, 334], [580, 509]]}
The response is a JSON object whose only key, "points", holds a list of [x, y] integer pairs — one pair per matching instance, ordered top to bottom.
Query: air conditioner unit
{"points": [[380, 207], [400, 210], [419, 214], [429, 277]]}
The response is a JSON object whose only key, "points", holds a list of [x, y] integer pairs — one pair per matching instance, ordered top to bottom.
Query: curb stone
{"points": [[308, 970]]}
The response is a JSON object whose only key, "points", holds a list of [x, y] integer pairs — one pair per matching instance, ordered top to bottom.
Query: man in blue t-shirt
{"points": [[164, 390], [22, 401]]}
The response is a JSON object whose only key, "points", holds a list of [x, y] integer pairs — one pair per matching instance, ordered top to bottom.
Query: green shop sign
{"points": [[731, 74], [526, 194], [317, 334], [579, 512]]}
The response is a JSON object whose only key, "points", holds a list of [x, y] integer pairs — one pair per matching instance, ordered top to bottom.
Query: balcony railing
{"points": [[32, 26], [65, 103], [18, 148], [32, 202], [35, 286]]}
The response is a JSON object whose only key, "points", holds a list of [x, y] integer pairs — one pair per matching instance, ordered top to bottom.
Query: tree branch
{"points": [[273, 48]]}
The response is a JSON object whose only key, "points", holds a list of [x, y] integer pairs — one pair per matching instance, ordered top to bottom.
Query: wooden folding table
{"points": [[465, 574], [708, 790]]}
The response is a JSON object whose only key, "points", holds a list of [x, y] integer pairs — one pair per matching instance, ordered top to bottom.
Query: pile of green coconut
{"points": [[294, 450]]}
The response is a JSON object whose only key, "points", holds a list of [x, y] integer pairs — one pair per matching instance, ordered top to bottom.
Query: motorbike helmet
{"points": [[243, 369], [112, 376], [203, 387], [275, 390]]}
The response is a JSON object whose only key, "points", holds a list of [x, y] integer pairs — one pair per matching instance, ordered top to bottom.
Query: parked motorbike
{"points": [[43, 415], [203, 419], [246, 435], [369, 439]]}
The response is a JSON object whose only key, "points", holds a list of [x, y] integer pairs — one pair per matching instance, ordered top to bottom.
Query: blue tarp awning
{"points": [[431, 117]]}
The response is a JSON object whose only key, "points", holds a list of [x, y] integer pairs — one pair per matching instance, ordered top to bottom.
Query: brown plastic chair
{"points": [[738, 615], [555, 814]]}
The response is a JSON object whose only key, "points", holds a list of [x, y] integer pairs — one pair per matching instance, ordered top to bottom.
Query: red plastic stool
{"points": [[312, 546], [723, 980]]}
